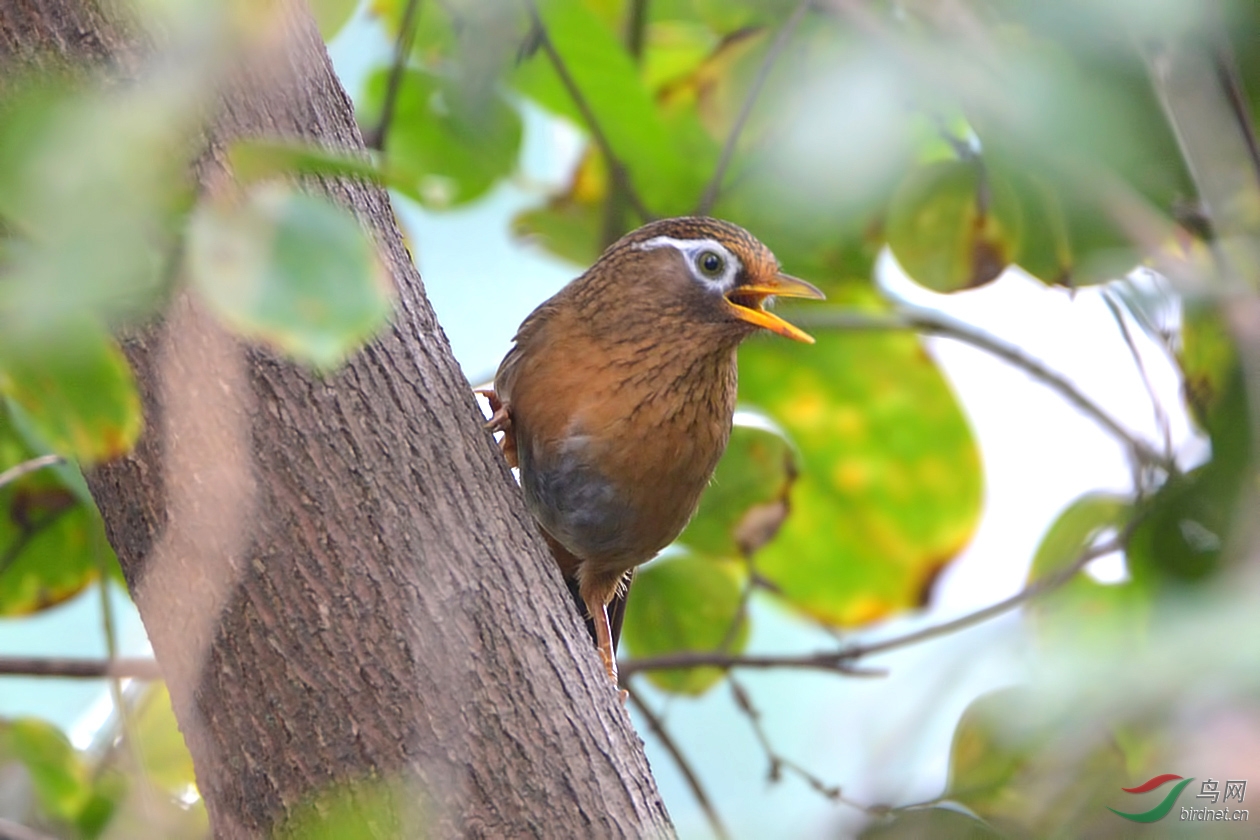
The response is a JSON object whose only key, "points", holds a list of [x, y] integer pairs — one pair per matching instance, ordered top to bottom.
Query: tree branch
{"points": [[402, 51], [728, 149], [616, 169], [934, 323], [12, 474], [842, 661], [76, 668], [684, 766]]}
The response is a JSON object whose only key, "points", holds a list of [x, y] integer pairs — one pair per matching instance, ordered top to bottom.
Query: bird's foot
{"points": [[501, 418]]}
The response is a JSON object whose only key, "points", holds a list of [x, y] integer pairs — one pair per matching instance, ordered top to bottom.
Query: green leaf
{"points": [[332, 15], [448, 144], [667, 157], [259, 160], [92, 185], [570, 224], [951, 228], [1045, 249], [292, 270], [1206, 357], [77, 392], [890, 486], [747, 501], [1075, 529], [1184, 529], [52, 540], [49, 549], [686, 603], [1084, 612], [160, 745], [988, 748], [1032, 774], [63, 786], [362, 809]]}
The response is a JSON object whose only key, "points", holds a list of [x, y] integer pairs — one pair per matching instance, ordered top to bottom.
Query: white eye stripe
{"points": [[691, 249]]}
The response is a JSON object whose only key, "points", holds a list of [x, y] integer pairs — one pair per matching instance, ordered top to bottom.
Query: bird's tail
{"points": [[616, 607]]}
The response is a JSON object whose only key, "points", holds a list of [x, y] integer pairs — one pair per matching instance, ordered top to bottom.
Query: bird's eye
{"points": [[711, 264]]}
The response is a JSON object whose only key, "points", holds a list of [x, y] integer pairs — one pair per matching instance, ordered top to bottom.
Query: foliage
{"points": [[967, 139]]}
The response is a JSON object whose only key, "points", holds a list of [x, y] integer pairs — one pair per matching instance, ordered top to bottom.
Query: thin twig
{"points": [[402, 51], [1231, 82], [616, 169], [714, 187], [614, 222], [935, 323], [1161, 416], [12, 474], [741, 614], [842, 661], [76, 668], [126, 726], [778, 763], [693, 781]]}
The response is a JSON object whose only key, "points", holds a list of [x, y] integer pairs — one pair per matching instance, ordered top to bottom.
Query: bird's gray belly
{"points": [[576, 504]]}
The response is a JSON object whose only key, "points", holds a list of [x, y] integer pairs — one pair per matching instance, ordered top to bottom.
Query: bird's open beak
{"points": [[747, 302]]}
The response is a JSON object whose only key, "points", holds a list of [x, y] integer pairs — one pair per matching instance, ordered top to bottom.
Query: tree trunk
{"points": [[337, 574]]}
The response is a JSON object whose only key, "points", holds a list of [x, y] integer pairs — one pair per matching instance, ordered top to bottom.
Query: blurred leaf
{"points": [[332, 15], [727, 16], [675, 49], [714, 84], [1062, 103], [832, 136], [447, 144], [667, 158], [260, 160], [93, 184], [570, 224], [944, 226], [1045, 248], [292, 270], [1207, 358], [78, 392], [890, 486], [747, 500], [1185, 527], [1075, 530], [52, 540], [47, 542], [685, 603], [1084, 611], [160, 745], [982, 759], [1013, 767], [62, 783], [367, 809], [938, 823]]}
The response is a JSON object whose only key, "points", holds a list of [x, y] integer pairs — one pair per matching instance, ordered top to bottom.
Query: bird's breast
{"points": [[624, 476]]}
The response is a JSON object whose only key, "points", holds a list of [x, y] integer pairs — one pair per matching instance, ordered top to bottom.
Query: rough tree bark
{"points": [[337, 575]]}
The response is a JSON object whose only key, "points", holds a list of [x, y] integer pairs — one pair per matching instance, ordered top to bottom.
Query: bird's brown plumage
{"points": [[618, 395]]}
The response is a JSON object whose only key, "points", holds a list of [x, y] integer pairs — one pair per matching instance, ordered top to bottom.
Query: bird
{"points": [[617, 397]]}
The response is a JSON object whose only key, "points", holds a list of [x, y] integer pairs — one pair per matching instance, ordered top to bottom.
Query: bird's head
{"points": [[708, 271]]}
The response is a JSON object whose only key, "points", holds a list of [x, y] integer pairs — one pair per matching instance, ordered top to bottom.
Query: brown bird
{"points": [[617, 397]]}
